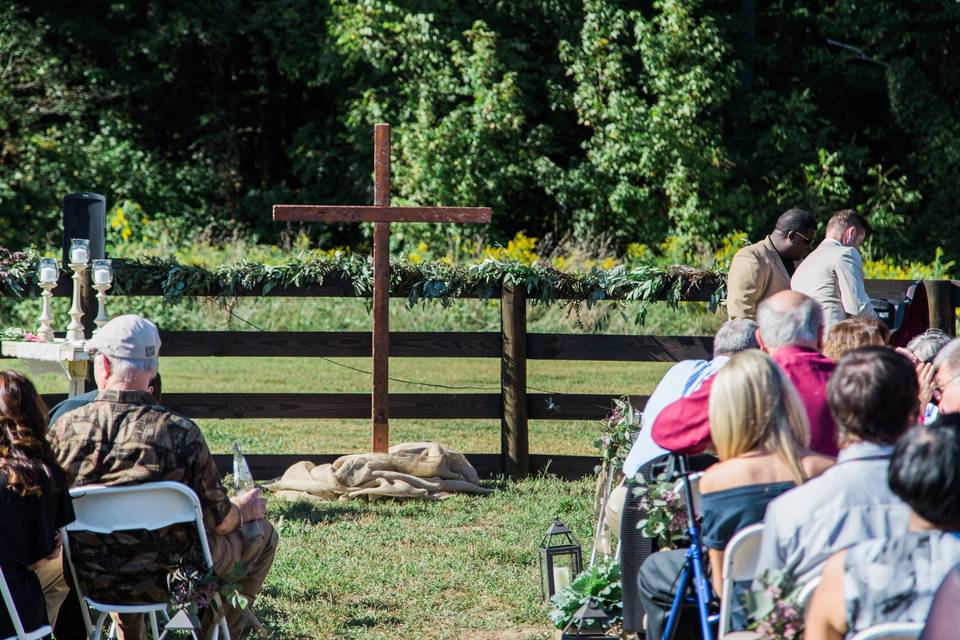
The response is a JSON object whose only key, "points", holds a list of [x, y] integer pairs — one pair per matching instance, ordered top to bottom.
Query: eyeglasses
{"points": [[807, 240], [938, 387]]}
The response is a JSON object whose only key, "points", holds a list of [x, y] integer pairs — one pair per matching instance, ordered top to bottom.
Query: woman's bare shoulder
{"points": [[814, 464]]}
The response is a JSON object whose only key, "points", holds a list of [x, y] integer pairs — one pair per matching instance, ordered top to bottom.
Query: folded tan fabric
{"points": [[425, 470]]}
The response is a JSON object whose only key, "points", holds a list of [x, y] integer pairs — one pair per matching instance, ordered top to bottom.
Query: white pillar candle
{"points": [[79, 256], [48, 274], [101, 276], [561, 578]]}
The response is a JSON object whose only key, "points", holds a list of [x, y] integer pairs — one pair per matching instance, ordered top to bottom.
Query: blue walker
{"points": [[693, 586]]}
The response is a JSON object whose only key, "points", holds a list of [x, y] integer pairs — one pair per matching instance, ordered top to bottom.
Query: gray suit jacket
{"points": [[833, 276]]}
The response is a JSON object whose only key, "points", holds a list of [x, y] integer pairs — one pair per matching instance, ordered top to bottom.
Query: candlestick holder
{"points": [[102, 317], [75, 328], [45, 332]]}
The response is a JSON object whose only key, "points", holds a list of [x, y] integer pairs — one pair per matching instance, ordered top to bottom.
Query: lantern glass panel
{"points": [[559, 566]]}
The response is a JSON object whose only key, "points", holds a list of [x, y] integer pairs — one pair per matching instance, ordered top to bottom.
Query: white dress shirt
{"points": [[833, 276], [681, 380], [846, 504]]}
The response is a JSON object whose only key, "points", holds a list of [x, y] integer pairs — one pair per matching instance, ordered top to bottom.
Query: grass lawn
{"points": [[465, 567]]}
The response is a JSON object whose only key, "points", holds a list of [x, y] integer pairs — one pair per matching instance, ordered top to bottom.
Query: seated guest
{"points": [[760, 270], [790, 330], [853, 333], [922, 350], [683, 379], [946, 392], [872, 395], [69, 404], [760, 431], [125, 437], [34, 505], [894, 579], [944, 617]]}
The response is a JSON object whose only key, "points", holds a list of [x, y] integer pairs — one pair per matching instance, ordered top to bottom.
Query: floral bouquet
{"points": [[666, 516], [193, 591], [778, 614]]}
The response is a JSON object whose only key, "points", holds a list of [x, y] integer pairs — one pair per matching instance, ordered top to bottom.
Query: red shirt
{"points": [[684, 426]]}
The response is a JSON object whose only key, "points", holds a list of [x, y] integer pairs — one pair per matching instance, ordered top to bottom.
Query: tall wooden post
{"points": [[381, 214], [381, 291], [943, 312], [514, 435]]}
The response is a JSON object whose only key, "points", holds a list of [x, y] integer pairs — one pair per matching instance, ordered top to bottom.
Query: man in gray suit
{"points": [[833, 274]]}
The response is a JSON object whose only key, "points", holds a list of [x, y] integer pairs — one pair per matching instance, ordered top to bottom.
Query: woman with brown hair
{"points": [[854, 333], [34, 505]]}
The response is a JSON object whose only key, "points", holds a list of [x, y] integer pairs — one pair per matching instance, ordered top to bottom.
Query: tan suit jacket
{"points": [[756, 273]]}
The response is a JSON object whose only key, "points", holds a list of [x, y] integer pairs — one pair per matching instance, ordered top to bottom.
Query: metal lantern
{"points": [[561, 559], [590, 621]]}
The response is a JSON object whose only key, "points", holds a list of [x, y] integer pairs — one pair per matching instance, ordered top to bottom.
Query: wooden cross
{"points": [[381, 214]]}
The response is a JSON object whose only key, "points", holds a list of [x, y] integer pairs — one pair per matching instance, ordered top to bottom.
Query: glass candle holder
{"points": [[79, 251], [48, 271], [102, 272]]}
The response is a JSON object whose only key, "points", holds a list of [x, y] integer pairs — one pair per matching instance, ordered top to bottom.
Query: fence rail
{"points": [[512, 403]]}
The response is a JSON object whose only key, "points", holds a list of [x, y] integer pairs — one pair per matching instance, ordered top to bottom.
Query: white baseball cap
{"points": [[128, 336]]}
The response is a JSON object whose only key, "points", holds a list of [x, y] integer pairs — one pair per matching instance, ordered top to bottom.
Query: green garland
{"points": [[423, 282]]}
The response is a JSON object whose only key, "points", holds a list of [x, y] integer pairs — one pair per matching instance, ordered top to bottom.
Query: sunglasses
{"points": [[806, 240]]}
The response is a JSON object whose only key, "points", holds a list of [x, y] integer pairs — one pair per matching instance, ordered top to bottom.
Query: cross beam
{"points": [[381, 214]]}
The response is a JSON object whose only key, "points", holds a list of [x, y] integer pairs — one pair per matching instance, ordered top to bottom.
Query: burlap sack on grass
{"points": [[425, 470]]}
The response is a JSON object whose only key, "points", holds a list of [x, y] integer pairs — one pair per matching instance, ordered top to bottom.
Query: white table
{"points": [[58, 356]]}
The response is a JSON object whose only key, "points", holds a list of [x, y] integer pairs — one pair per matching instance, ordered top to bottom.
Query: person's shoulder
{"points": [[814, 464], [721, 476]]}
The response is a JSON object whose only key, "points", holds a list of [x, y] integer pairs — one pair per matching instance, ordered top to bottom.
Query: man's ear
{"points": [[107, 366]]}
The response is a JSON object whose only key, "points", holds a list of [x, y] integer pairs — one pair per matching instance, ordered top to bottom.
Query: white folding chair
{"points": [[694, 489], [149, 506], [739, 564], [806, 593], [891, 631], [35, 634]]}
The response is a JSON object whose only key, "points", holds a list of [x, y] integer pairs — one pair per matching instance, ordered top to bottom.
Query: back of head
{"points": [[796, 220], [841, 220], [789, 318], [853, 333], [735, 336], [928, 344], [872, 395], [753, 404], [25, 455], [925, 471]]}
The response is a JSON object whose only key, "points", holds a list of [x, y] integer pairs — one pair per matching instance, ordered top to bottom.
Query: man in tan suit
{"points": [[760, 270], [833, 274]]}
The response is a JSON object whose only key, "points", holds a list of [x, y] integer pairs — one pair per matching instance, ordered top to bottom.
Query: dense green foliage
{"points": [[637, 120]]}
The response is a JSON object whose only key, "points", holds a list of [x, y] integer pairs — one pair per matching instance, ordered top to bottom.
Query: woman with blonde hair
{"points": [[760, 432]]}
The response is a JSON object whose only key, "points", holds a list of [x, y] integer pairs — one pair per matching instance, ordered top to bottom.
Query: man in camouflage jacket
{"points": [[125, 437]]}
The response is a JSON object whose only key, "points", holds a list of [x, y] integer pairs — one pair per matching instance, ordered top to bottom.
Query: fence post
{"points": [[943, 313], [514, 437]]}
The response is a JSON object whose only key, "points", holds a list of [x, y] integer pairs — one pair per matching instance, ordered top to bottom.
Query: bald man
{"points": [[762, 269], [790, 329]]}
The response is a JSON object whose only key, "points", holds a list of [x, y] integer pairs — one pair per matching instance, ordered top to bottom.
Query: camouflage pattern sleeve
{"points": [[203, 477]]}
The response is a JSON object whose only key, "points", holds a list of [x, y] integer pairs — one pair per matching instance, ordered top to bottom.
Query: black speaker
{"points": [[85, 216]]}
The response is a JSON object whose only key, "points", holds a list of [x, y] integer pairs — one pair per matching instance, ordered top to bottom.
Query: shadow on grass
{"points": [[311, 512]]}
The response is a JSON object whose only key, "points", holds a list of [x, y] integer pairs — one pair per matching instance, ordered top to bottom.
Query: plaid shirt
{"points": [[125, 437]]}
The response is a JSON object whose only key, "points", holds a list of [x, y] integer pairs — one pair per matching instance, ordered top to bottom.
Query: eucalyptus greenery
{"points": [[436, 281], [665, 516], [600, 582]]}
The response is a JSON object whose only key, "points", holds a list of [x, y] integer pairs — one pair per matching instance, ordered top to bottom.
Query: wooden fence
{"points": [[514, 406]]}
